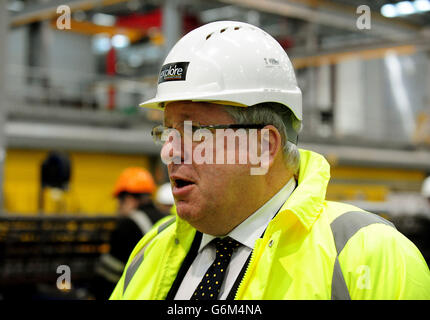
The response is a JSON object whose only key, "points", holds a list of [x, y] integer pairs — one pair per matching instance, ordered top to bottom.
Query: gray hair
{"points": [[280, 117]]}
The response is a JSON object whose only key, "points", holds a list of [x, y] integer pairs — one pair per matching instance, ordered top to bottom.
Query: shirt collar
{"points": [[258, 221]]}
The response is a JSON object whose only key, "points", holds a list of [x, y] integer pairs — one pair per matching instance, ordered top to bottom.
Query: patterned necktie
{"points": [[209, 287]]}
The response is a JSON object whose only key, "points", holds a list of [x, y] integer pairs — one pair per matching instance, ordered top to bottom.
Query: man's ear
{"points": [[272, 138]]}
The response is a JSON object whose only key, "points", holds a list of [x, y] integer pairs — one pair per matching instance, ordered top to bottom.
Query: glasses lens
{"points": [[157, 133], [161, 134]]}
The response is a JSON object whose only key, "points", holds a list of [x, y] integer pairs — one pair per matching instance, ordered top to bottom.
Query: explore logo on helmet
{"points": [[175, 71]]}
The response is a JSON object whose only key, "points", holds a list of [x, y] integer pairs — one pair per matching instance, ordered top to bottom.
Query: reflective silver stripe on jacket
{"points": [[142, 220], [344, 228], [137, 260], [109, 267]]}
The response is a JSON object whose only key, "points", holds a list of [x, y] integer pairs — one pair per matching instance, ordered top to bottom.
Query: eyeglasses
{"points": [[160, 133]]}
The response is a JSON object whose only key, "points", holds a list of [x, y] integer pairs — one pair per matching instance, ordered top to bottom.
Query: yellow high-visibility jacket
{"points": [[312, 249]]}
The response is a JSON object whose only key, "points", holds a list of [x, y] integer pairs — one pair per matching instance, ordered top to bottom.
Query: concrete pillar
{"points": [[172, 23], [4, 26], [312, 121]]}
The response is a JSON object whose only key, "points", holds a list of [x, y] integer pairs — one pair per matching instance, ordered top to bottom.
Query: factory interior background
{"points": [[73, 72]]}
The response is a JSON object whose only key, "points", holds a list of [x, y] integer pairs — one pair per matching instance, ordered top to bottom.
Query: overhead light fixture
{"points": [[422, 5], [405, 8], [389, 10], [103, 19], [120, 41], [101, 43]]}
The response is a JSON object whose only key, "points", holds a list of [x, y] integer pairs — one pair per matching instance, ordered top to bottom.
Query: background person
{"points": [[137, 215]]}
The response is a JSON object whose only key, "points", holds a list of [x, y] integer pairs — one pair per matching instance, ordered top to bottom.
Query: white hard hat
{"points": [[231, 63], [425, 190], [164, 195]]}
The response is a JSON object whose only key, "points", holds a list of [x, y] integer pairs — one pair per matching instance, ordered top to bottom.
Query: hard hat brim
{"points": [[240, 98]]}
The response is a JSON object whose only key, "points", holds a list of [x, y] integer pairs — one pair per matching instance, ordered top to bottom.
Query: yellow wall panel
{"points": [[386, 174], [93, 176], [21, 180], [343, 192]]}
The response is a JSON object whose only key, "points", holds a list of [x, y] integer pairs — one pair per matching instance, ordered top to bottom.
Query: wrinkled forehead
{"points": [[202, 112]]}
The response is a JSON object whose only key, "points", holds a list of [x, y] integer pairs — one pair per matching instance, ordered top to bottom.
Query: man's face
{"points": [[211, 197], [127, 204]]}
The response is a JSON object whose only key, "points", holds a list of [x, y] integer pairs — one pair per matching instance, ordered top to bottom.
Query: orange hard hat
{"points": [[134, 180]]}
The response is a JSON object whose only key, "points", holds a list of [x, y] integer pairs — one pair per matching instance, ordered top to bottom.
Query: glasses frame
{"points": [[209, 127]]}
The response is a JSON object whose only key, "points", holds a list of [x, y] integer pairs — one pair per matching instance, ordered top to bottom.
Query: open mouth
{"points": [[180, 183], [181, 187]]}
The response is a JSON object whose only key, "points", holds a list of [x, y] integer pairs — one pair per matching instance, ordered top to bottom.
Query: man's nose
{"points": [[172, 150]]}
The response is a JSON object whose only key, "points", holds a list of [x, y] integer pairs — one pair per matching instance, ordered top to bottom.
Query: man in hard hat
{"points": [[137, 215], [252, 220]]}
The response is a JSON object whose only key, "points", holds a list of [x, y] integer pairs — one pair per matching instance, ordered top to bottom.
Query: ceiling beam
{"points": [[45, 11], [320, 12], [365, 51], [42, 135], [372, 157]]}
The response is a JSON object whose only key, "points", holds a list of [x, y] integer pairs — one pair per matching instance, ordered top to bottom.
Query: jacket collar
{"points": [[306, 202]]}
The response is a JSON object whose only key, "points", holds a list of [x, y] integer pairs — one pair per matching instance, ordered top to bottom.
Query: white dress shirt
{"points": [[246, 234]]}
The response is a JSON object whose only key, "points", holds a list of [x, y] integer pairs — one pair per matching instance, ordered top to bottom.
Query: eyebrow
{"points": [[184, 116]]}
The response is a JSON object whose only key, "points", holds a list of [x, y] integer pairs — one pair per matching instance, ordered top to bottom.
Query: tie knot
{"points": [[225, 246]]}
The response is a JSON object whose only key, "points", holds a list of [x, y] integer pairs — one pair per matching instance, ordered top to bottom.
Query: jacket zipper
{"points": [[246, 275]]}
